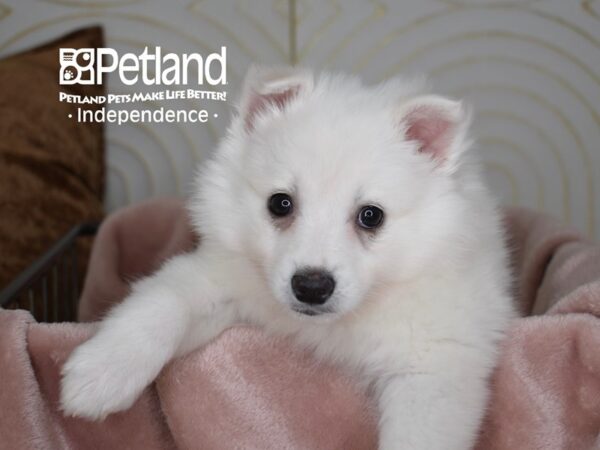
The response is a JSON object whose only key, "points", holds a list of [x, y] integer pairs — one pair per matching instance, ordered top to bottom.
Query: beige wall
{"points": [[530, 68]]}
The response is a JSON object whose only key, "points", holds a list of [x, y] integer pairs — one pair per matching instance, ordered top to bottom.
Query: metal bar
{"points": [[293, 32], [35, 270], [75, 274], [65, 284], [55, 292], [45, 298], [31, 302]]}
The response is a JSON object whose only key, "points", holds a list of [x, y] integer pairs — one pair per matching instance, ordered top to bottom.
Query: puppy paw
{"points": [[97, 381]]}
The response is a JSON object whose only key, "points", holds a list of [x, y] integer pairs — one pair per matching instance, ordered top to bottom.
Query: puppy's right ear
{"points": [[269, 90]]}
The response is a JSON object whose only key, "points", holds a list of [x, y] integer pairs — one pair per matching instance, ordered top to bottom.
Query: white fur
{"points": [[419, 306]]}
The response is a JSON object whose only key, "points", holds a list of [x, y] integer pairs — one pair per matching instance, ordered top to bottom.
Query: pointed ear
{"points": [[271, 89], [438, 126]]}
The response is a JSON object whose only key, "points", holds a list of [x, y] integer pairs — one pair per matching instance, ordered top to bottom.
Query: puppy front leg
{"points": [[167, 314], [432, 411]]}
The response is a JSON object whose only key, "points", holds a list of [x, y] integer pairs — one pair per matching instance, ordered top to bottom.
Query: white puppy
{"points": [[350, 218]]}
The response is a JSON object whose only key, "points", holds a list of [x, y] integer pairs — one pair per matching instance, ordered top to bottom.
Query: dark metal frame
{"points": [[54, 278]]}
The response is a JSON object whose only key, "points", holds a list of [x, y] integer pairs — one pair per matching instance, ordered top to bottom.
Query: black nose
{"points": [[313, 286]]}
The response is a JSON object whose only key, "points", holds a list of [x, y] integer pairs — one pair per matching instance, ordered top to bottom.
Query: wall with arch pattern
{"points": [[530, 68]]}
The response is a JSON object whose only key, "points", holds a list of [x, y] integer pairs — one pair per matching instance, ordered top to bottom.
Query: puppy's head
{"points": [[334, 190]]}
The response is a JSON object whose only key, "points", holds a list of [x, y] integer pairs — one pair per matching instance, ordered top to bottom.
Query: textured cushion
{"points": [[51, 166]]}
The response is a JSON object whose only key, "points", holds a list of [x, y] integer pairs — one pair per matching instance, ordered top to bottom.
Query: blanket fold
{"points": [[247, 390]]}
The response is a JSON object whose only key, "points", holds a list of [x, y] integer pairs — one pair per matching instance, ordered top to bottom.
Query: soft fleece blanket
{"points": [[249, 391]]}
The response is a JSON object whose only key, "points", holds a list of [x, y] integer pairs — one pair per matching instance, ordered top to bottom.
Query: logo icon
{"points": [[77, 66]]}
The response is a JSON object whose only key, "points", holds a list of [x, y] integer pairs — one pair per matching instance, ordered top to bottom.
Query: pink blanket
{"points": [[247, 390]]}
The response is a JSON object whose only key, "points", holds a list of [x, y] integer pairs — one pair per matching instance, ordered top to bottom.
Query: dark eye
{"points": [[280, 205], [370, 217]]}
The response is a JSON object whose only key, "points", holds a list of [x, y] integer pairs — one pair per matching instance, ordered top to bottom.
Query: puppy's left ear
{"points": [[269, 90], [438, 126]]}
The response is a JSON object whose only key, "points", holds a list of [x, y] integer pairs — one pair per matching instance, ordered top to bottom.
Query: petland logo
{"points": [[88, 66]]}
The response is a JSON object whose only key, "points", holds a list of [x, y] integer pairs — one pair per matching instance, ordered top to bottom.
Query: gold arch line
{"points": [[106, 4], [494, 4], [281, 7], [193, 8], [589, 9], [5, 11], [379, 11], [305, 12], [123, 16], [54, 21], [565, 23], [263, 31], [292, 31], [394, 34], [474, 35], [391, 36], [312, 42], [141, 44], [521, 62], [558, 79], [538, 99], [547, 105], [566, 123], [154, 136], [188, 139], [548, 142], [518, 150], [195, 151], [143, 163], [119, 173], [179, 180], [515, 195]]}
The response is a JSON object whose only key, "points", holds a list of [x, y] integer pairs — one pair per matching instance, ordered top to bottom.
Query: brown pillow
{"points": [[51, 166]]}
